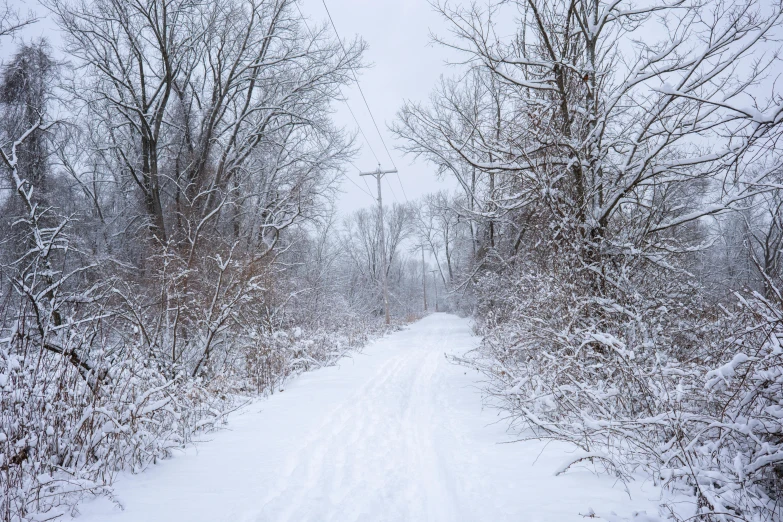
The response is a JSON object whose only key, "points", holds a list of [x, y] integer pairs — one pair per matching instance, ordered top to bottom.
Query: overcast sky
{"points": [[405, 65]]}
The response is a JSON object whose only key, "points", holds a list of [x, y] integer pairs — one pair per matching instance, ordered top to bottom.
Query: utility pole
{"points": [[378, 175], [423, 278], [435, 283]]}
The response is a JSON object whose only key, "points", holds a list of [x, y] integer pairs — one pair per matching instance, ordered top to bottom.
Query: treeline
{"points": [[620, 176], [168, 238]]}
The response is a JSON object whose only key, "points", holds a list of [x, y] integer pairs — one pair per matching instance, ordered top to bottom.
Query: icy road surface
{"points": [[396, 433]]}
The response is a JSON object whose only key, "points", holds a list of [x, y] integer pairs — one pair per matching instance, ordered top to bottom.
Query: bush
{"points": [[644, 378]]}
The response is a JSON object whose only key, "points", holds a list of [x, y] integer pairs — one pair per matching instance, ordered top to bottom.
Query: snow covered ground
{"points": [[396, 433]]}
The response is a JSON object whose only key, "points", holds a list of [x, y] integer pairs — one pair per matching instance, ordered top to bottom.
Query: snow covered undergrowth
{"points": [[395, 433]]}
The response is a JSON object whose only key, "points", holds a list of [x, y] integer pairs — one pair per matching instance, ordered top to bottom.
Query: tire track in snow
{"points": [[376, 448], [308, 463]]}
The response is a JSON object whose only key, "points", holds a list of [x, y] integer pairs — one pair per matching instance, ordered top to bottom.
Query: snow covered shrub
{"points": [[273, 355], [570, 361], [644, 377], [85, 390], [83, 395], [62, 439], [732, 451]]}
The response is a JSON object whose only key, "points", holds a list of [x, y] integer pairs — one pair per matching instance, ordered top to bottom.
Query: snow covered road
{"points": [[396, 433]]}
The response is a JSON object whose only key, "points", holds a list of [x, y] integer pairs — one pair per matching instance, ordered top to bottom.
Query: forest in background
{"points": [[170, 246]]}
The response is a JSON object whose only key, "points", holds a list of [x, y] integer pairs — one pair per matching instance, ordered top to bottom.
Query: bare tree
{"points": [[11, 20], [194, 99], [590, 130], [361, 241]]}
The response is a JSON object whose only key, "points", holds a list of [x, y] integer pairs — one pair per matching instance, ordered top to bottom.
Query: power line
{"points": [[356, 79], [345, 101], [359, 126], [378, 130], [366, 185], [403, 188], [392, 191], [368, 192]]}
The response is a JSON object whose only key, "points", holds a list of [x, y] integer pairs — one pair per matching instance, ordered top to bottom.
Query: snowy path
{"points": [[394, 434]]}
